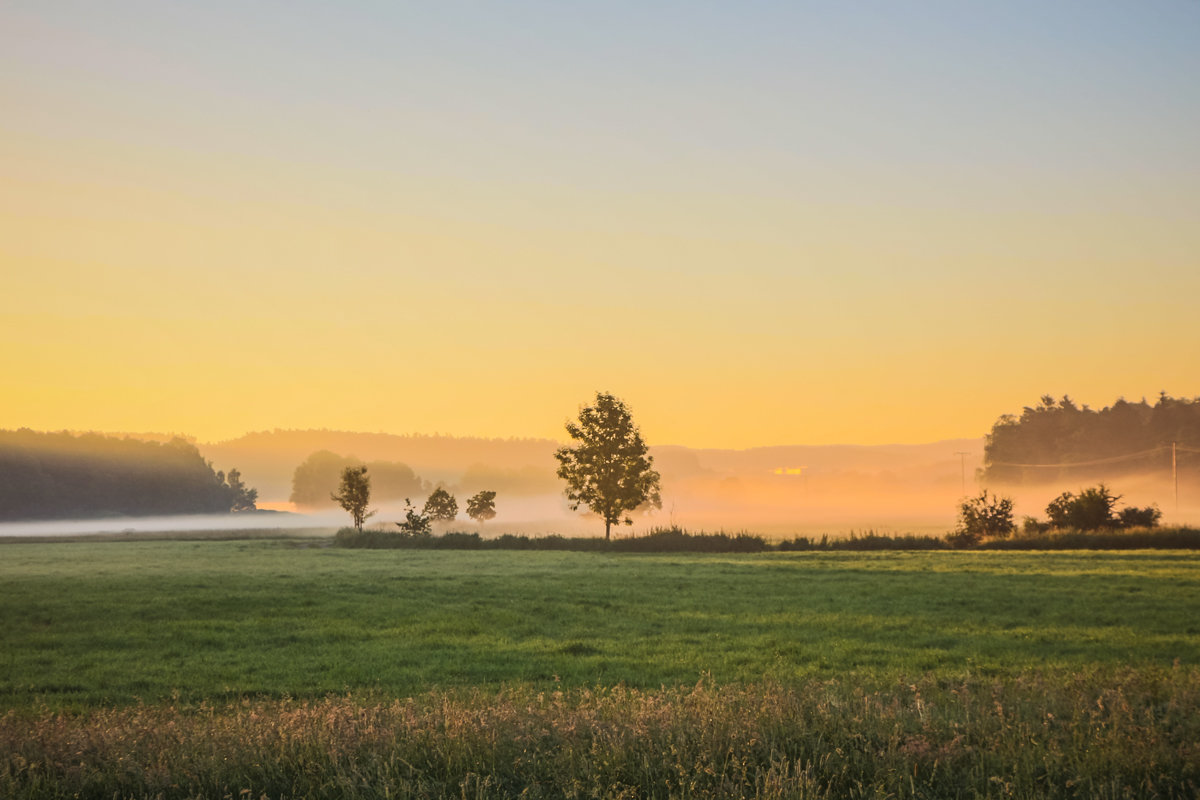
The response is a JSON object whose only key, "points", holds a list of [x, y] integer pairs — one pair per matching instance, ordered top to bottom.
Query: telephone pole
{"points": [[962, 460]]}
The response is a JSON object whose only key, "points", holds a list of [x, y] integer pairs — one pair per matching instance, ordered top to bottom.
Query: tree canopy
{"points": [[1059, 439], [609, 470], [441, 506], [482, 506]]}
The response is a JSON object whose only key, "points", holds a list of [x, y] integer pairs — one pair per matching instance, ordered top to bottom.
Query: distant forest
{"points": [[1058, 439], [65, 476], [318, 476]]}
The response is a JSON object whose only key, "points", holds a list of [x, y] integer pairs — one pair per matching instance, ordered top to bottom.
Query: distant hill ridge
{"points": [[269, 458]]}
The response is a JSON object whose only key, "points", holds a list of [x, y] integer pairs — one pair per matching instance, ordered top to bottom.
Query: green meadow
{"points": [[88, 624], [288, 668]]}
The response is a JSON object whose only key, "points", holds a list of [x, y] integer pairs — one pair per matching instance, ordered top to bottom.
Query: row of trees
{"points": [[1058, 439], [608, 470], [63, 475], [354, 495], [1094, 508]]}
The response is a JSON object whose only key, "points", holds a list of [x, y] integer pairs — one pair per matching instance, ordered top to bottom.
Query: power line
{"points": [[1110, 460]]}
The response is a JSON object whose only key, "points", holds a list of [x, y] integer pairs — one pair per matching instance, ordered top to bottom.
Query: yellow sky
{"points": [[204, 232]]}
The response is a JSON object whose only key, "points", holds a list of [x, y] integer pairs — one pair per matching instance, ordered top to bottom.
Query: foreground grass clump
{"points": [[1130, 734]]}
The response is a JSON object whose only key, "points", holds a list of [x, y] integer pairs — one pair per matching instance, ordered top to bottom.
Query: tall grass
{"points": [[1127, 539], [657, 540], [678, 540], [1131, 734]]}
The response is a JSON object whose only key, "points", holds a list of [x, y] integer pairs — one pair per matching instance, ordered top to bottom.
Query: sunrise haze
{"points": [[758, 224]]}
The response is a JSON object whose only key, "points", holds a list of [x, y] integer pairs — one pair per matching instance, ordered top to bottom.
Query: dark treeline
{"points": [[1058, 440], [64, 476], [677, 540]]}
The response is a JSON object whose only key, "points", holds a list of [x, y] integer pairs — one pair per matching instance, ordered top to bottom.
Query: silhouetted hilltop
{"points": [[268, 459], [526, 467]]}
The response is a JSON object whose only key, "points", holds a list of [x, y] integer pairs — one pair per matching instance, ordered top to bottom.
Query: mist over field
{"points": [[778, 492], [182, 523]]}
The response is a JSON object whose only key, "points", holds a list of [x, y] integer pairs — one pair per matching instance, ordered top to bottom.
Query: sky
{"points": [[757, 223]]}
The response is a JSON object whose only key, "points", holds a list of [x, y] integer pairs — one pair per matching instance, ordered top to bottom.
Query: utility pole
{"points": [[962, 459]]}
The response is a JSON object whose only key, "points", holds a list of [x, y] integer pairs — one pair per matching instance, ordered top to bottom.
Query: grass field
{"points": [[89, 624], [851, 674]]}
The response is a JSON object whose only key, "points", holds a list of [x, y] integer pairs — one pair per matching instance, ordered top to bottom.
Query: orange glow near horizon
{"points": [[212, 246]]}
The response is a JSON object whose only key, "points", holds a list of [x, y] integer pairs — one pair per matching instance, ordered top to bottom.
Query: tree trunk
{"points": [[607, 529]]}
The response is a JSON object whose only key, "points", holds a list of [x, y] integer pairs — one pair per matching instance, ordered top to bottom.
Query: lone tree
{"points": [[609, 470], [354, 494], [441, 506], [482, 506]]}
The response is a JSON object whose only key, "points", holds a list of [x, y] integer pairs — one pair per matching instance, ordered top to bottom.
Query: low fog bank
{"points": [[778, 492], [775, 506], [170, 524]]}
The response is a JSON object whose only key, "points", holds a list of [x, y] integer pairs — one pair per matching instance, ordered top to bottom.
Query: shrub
{"points": [[1090, 510], [985, 515], [1132, 517], [415, 523], [1032, 526]]}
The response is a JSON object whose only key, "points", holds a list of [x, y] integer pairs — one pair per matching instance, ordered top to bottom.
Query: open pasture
{"points": [[92, 624], [283, 669]]}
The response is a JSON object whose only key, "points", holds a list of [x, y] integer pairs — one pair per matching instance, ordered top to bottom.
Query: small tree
{"points": [[609, 470], [355, 494], [241, 497], [441, 506], [482, 506], [985, 515], [415, 524]]}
